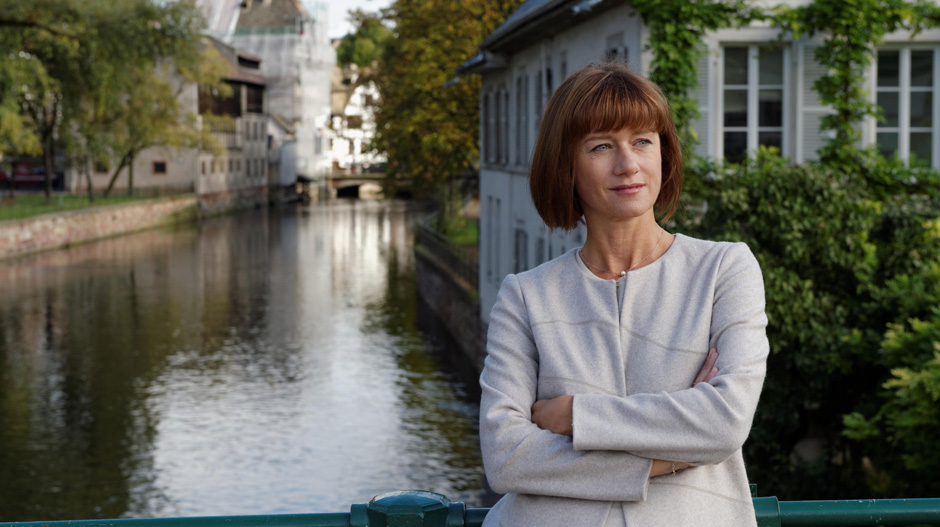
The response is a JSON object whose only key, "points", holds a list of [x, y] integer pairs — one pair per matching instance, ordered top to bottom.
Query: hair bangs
{"points": [[615, 103]]}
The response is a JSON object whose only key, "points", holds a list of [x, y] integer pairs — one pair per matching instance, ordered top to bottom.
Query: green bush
{"points": [[851, 267]]}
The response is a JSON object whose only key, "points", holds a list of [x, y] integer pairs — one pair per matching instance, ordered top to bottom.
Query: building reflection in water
{"points": [[265, 362]]}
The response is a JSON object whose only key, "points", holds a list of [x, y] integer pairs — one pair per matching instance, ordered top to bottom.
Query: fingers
{"points": [[709, 370]]}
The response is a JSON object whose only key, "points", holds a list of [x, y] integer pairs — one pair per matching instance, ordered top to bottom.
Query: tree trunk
{"points": [[47, 154], [114, 176], [130, 178], [89, 186]]}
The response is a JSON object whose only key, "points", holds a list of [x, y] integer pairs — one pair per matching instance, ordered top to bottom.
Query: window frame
{"points": [[753, 88], [904, 89]]}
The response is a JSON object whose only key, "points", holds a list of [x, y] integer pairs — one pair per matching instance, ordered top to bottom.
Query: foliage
{"points": [[366, 46], [91, 77], [430, 132], [852, 283]]}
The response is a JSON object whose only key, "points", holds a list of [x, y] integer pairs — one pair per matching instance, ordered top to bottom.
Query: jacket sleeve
{"points": [[708, 423], [520, 457]]}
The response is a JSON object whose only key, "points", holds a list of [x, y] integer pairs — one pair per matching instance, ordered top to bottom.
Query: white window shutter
{"points": [[810, 108], [702, 125]]}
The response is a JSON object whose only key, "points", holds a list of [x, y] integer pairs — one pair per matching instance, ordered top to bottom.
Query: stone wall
{"points": [[234, 199], [53, 231], [454, 302]]}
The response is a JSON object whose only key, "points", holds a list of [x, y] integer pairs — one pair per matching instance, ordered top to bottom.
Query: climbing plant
{"points": [[676, 31]]}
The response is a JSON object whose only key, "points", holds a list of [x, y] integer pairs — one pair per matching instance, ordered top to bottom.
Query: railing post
{"points": [[414, 509], [767, 511]]}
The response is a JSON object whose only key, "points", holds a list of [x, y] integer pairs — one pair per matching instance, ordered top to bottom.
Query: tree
{"points": [[366, 46], [91, 62], [430, 132]]}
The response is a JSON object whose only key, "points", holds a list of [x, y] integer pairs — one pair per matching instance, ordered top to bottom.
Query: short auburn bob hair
{"points": [[603, 97]]}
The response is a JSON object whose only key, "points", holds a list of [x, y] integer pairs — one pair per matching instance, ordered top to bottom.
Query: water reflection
{"points": [[267, 362]]}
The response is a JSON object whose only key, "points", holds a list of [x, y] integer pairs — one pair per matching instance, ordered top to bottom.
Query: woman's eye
{"points": [[644, 142], [604, 146]]}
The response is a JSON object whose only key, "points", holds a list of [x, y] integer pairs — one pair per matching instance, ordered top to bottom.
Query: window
{"points": [[615, 50], [563, 65], [905, 87], [519, 97], [255, 98], [538, 98], [753, 110], [525, 120], [505, 126], [499, 128], [489, 137], [231, 164], [203, 167], [159, 168], [540, 250], [522, 251], [490, 254]]}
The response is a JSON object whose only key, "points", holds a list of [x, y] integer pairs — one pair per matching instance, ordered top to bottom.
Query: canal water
{"points": [[261, 363]]}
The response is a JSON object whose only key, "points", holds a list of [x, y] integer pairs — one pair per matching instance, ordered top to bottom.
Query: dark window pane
{"points": [[735, 66], [771, 66], [888, 68], [922, 68], [889, 106], [735, 108], [770, 108], [922, 109], [770, 139], [888, 143], [735, 146], [921, 151]]}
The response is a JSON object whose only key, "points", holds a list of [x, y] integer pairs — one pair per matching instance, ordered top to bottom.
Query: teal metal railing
{"points": [[427, 509]]}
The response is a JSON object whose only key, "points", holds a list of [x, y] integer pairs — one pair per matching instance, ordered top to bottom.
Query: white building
{"points": [[297, 60], [751, 93], [353, 123]]}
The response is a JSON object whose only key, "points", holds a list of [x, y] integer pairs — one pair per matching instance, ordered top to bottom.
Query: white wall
{"points": [[510, 227]]}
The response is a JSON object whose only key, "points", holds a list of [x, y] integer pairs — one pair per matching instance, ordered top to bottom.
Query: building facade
{"points": [[297, 60], [754, 89], [352, 125]]}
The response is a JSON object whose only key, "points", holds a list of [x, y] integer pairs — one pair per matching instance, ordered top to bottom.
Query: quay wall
{"points": [[62, 229], [455, 304]]}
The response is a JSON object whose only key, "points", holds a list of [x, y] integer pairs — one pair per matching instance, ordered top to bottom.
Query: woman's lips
{"points": [[628, 189]]}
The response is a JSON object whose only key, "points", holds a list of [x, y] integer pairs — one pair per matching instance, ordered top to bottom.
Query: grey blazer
{"points": [[628, 350]]}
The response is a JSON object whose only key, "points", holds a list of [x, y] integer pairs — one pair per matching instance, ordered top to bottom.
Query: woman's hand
{"points": [[708, 369], [554, 415], [661, 467]]}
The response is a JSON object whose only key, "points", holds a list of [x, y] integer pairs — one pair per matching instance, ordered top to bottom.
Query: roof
{"points": [[270, 14], [534, 20], [238, 72]]}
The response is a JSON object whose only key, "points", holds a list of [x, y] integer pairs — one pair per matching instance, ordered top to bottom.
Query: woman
{"points": [[605, 402]]}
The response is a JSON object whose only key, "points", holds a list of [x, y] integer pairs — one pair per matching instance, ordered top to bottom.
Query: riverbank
{"points": [[63, 229]]}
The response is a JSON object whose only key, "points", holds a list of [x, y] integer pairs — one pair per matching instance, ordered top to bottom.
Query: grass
{"points": [[25, 205], [467, 233]]}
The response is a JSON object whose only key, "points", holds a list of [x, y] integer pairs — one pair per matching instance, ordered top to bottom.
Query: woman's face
{"points": [[618, 174]]}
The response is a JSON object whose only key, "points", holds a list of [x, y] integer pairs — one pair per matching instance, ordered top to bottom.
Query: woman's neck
{"points": [[611, 251]]}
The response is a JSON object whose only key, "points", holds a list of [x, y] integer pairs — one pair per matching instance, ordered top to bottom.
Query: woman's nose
{"points": [[627, 162]]}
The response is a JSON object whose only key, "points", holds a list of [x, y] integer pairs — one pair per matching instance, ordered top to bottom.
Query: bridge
{"points": [[341, 185]]}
